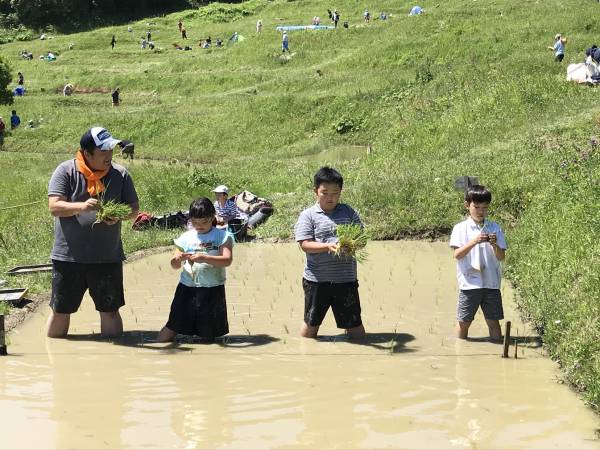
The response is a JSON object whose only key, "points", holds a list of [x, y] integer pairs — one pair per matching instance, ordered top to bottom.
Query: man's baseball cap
{"points": [[98, 137], [221, 189]]}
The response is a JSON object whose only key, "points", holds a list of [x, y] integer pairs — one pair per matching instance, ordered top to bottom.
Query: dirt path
{"points": [[410, 385]]}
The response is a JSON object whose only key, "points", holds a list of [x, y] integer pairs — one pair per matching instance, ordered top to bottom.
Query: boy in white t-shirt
{"points": [[479, 246]]}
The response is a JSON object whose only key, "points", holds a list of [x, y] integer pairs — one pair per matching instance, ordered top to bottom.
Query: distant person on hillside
{"points": [[330, 15], [367, 16], [382, 16], [335, 17], [345, 24], [180, 25], [259, 26], [183, 33], [148, 36], [113, 41], [143, 43], [219, 43], [285, 44], [151, 45], [558, 48], [591, 52], [21, 79], [68, 89], [115, 97], [15, 120], [2, 128], [127, 149], [479, 246], [203, 252], [88, 255], [329, 279]]}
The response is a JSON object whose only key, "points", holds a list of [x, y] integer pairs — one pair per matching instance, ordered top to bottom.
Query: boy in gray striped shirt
{"points": [[328, 280]]}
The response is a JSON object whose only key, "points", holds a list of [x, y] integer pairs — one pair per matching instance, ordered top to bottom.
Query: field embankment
{"points": [[467, 89]]}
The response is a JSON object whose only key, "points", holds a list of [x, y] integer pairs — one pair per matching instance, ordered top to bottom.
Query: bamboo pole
{"points": [[506, 338], [516, 349], [3, 351]]}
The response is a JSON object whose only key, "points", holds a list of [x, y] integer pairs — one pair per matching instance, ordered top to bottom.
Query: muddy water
{"points": [[410, 385]]}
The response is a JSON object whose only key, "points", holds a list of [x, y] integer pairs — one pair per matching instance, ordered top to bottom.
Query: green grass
{"points": [[467, 89]]}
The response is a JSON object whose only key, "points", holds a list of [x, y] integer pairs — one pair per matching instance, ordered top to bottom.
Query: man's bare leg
{"points": [[58, 325], [462, 329]]}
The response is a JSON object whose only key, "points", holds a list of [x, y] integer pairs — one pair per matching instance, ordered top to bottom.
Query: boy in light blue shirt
{"points": [[199, 306]]}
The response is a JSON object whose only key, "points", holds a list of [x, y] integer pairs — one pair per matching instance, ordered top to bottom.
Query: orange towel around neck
{"points": [[95, 185]]}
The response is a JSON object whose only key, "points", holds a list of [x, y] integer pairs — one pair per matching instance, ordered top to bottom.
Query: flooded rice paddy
{"points": [[411, 384]]}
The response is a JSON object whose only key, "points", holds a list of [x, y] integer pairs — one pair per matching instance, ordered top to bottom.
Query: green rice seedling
{"points": [[112, 210], [352, 240]]}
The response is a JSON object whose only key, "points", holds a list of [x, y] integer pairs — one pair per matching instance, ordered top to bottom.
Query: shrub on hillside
{"points": [[6, 97], [347, 124], [204, 177]]}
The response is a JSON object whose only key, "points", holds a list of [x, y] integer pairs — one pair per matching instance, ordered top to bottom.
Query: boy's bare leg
{"points": [[111, 324], [58, 325], [462, 329], [495, 330], [307, 331], [356, 332], [166, 335]]}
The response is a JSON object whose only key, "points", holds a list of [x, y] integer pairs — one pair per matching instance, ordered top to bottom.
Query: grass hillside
{"points": [[469, 88]]}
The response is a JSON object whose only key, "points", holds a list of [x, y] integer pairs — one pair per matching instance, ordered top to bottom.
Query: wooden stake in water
{"points": [[506, 338], [516, 348], [3, 351]]}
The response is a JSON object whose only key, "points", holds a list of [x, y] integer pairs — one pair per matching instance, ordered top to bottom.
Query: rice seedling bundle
{"points": [[112, 210], [352, 240]]}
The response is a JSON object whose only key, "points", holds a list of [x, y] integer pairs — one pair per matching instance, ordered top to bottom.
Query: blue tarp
{"points": [[416, 10], [304, 27], [19, 91]]}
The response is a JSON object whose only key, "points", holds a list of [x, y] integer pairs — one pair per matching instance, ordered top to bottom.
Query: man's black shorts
{"points": [[70, 280], [342, 297], [199, 311]]}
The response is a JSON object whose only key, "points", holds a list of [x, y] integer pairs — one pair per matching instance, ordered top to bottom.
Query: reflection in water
{"points": [[409, 385]]}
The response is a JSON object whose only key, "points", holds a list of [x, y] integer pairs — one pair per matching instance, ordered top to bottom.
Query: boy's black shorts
{"points": [[70, 280], [342, 297], [199, 311]]}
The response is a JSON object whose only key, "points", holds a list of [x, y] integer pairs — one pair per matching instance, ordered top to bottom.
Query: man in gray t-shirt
{"points": [[88, 255]]}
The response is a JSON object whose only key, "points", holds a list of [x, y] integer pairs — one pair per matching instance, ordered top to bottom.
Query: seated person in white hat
{"points": [[225, 208]]}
